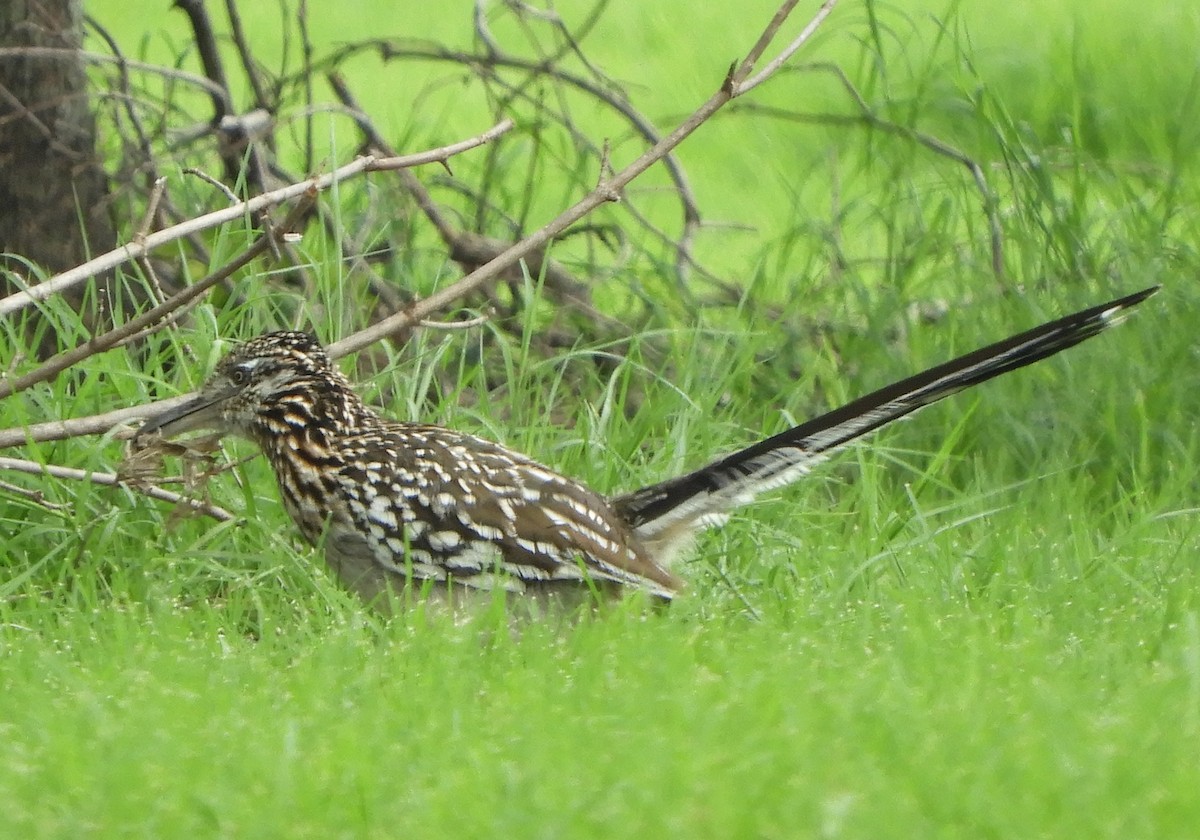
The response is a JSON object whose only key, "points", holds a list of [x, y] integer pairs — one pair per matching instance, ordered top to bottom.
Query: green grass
{"points": [[985, 624], [912, 713]]}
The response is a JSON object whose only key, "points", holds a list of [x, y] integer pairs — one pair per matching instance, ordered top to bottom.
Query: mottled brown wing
{"points": [[443, 505]]}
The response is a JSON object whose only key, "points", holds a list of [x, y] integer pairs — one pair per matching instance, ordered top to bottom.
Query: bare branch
{"points": [[788, 51], [67, 54], [210, 55], [306, 56], [746, 67], [726, 92], [126, 99], [261, 100], [867, 116], [640, 124], [215, 183], [151, 209], [133, 250], [470, 250], [447, 326], [57, 364], [96, 424], [112, 480], [35, 496]]}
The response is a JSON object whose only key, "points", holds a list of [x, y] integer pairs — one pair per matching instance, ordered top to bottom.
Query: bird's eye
{"points": [[239, 376]]}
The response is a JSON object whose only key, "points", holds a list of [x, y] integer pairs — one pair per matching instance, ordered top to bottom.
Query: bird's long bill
{"points": [[201, 412]]}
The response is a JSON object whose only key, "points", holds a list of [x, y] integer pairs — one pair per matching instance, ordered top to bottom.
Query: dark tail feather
{"points": [[662, 511]]}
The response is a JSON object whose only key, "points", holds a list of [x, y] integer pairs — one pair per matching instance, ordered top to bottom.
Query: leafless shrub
{"points": [[246, 159]]}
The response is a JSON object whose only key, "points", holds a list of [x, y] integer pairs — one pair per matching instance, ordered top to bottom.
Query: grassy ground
{"points": [[985, 625]]}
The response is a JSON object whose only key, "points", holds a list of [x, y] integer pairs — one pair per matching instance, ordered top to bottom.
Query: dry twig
{"points": [[735, 84], [867, 116], [125, 253], [112, 480]]}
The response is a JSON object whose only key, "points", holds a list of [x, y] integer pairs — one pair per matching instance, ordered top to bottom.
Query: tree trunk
{"points": [[54, 208]]}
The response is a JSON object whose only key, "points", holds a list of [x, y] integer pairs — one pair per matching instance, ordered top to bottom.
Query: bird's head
{"points": [[276, 382]]}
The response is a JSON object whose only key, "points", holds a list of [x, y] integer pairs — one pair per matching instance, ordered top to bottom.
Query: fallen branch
{"points": [[112, 480]]}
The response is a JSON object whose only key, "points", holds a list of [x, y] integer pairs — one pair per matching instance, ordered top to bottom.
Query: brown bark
{"points": [[54, 210]]}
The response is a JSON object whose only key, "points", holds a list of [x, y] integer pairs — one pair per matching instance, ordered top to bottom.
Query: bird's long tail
{"points": [[665, 515]]}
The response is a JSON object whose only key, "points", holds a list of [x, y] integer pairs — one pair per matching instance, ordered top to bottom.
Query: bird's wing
{"points": [[441, 505]]}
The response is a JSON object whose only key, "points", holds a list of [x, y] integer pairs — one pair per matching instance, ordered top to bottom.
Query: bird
{"points": [[418, 510]]}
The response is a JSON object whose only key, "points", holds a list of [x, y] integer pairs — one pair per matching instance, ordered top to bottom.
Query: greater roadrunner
{"points": [[403, 504]]}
